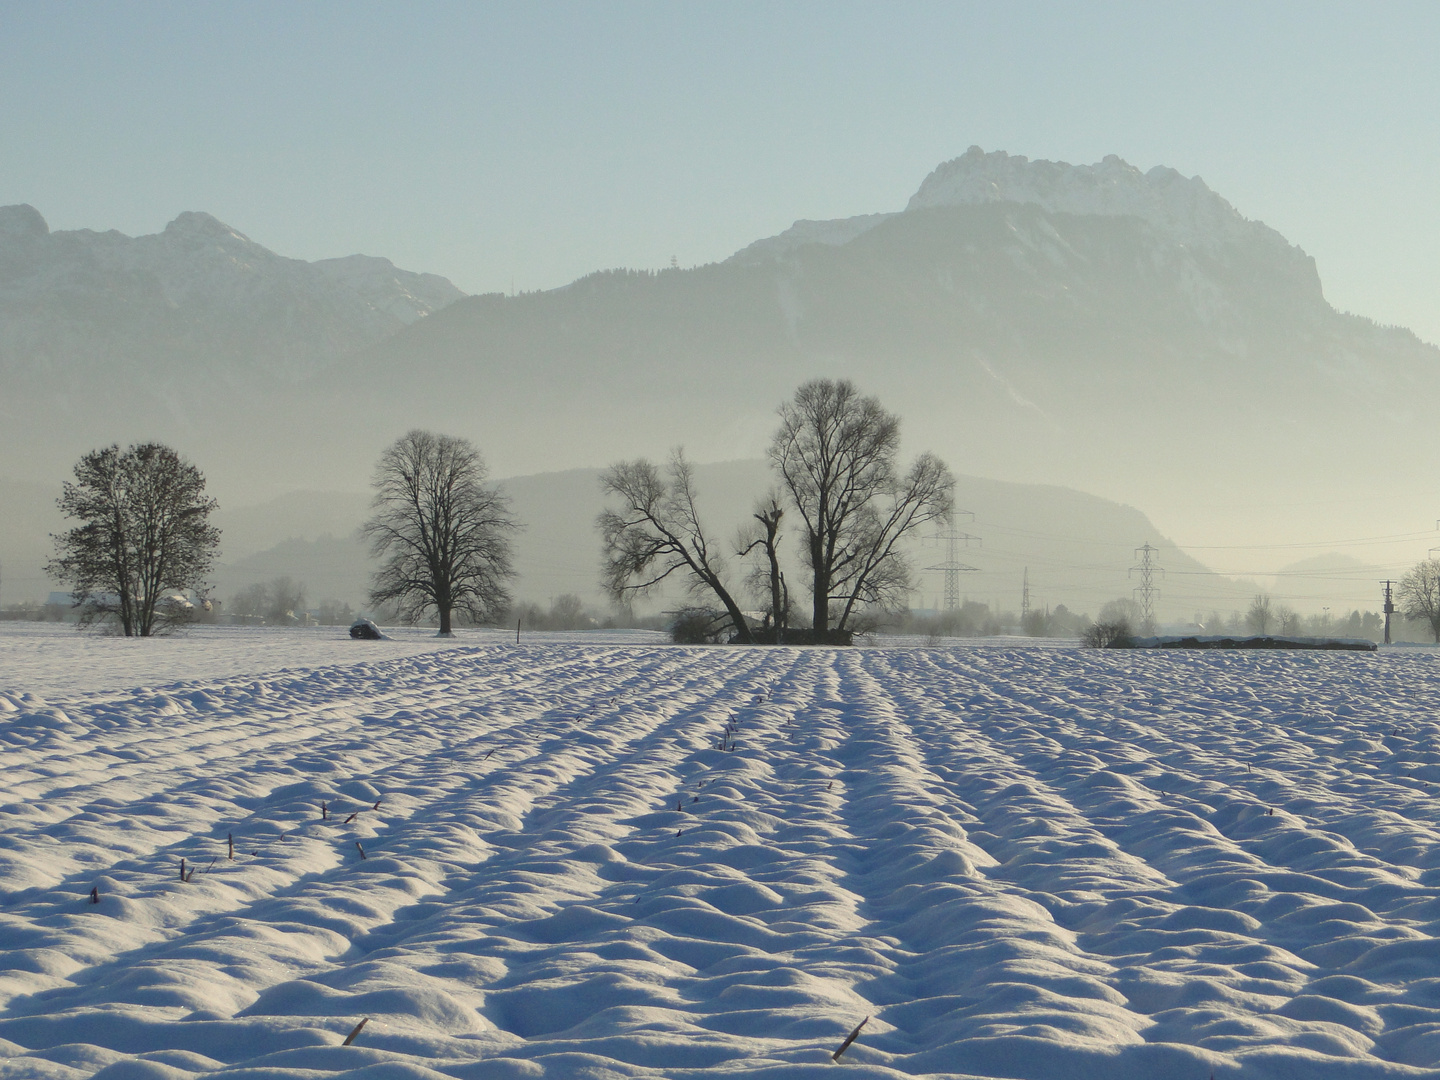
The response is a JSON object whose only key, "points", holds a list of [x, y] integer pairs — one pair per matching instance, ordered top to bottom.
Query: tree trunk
{"points": [[777, 598], [127, 613], [820, 614], [445, 620], [742, 628]]}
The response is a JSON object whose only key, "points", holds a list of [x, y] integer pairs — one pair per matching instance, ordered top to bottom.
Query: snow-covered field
{"points": [[592, 859]]}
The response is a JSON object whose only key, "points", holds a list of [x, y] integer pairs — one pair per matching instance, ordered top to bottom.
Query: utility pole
{"points": [[952, 566], [1146, 592], [1389, 608]]}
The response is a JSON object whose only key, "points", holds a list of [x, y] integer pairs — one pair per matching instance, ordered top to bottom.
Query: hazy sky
{"points": [[532, 142]]}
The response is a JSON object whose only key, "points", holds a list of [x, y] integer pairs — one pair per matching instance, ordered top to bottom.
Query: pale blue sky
{"points": [[535, 142]]}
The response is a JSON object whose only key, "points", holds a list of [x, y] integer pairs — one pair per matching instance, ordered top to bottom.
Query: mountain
{"points": [[198, 298], [1095, 327], [1120, 332], [105, 336]]}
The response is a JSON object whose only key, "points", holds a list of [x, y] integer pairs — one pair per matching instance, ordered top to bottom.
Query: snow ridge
{"points": [[661, 863]]}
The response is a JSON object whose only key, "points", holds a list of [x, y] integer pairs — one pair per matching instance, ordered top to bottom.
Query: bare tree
{"points": [[836, 453], [443, 533], [656, 533], [144, 535], [767, 579], [1419, 594], [283, 598], [250, 601], [274, 602], [1123, 609], [567, 612], [1259, 617], [1287, 619]]}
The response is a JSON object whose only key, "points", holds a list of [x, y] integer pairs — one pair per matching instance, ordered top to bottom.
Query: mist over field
{"points": [[1095, 337]]}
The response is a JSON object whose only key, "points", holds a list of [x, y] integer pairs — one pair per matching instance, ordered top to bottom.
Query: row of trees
{"points": [[836, 460], [443, 534], [144, 537], [1417, 603]]}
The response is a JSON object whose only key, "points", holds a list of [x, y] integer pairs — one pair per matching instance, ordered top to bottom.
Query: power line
{"points": [[1390, 538]]}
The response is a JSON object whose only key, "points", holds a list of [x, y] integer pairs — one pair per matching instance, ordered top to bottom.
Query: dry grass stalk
{"points": [[352, 817], [361, 850], [95, 894], [355, 1031], [850, 1039]]}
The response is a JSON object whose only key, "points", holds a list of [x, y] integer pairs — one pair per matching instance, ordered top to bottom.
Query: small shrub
{"points": [[700, 626], [1109, 634]]}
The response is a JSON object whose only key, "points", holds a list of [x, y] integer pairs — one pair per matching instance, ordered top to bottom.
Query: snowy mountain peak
{"points": [[1111, 188], [1182, 207], [22, 220], [197, 224], [406, 296]]}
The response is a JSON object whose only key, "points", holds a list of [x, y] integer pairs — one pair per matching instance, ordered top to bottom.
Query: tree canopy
{"points": [[837, 453], [442, 533], [144, 536], [1419, 595]]}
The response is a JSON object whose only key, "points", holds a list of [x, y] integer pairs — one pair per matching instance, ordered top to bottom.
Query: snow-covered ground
{"points": [[53, 658], [584, 859]]}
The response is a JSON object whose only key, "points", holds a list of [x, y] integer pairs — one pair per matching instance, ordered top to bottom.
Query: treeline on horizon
{"points": [[842, 507]]}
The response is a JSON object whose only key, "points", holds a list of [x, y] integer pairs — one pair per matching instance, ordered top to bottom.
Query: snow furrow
{"points": [[656, 862]]}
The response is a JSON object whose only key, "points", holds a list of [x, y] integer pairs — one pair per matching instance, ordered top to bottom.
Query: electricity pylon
{"points": [[952, 566], [1146, 592], [1389, 607]]}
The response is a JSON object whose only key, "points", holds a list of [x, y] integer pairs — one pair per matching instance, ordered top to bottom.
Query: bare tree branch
{"points": [[836, 455], [656, 533]]}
